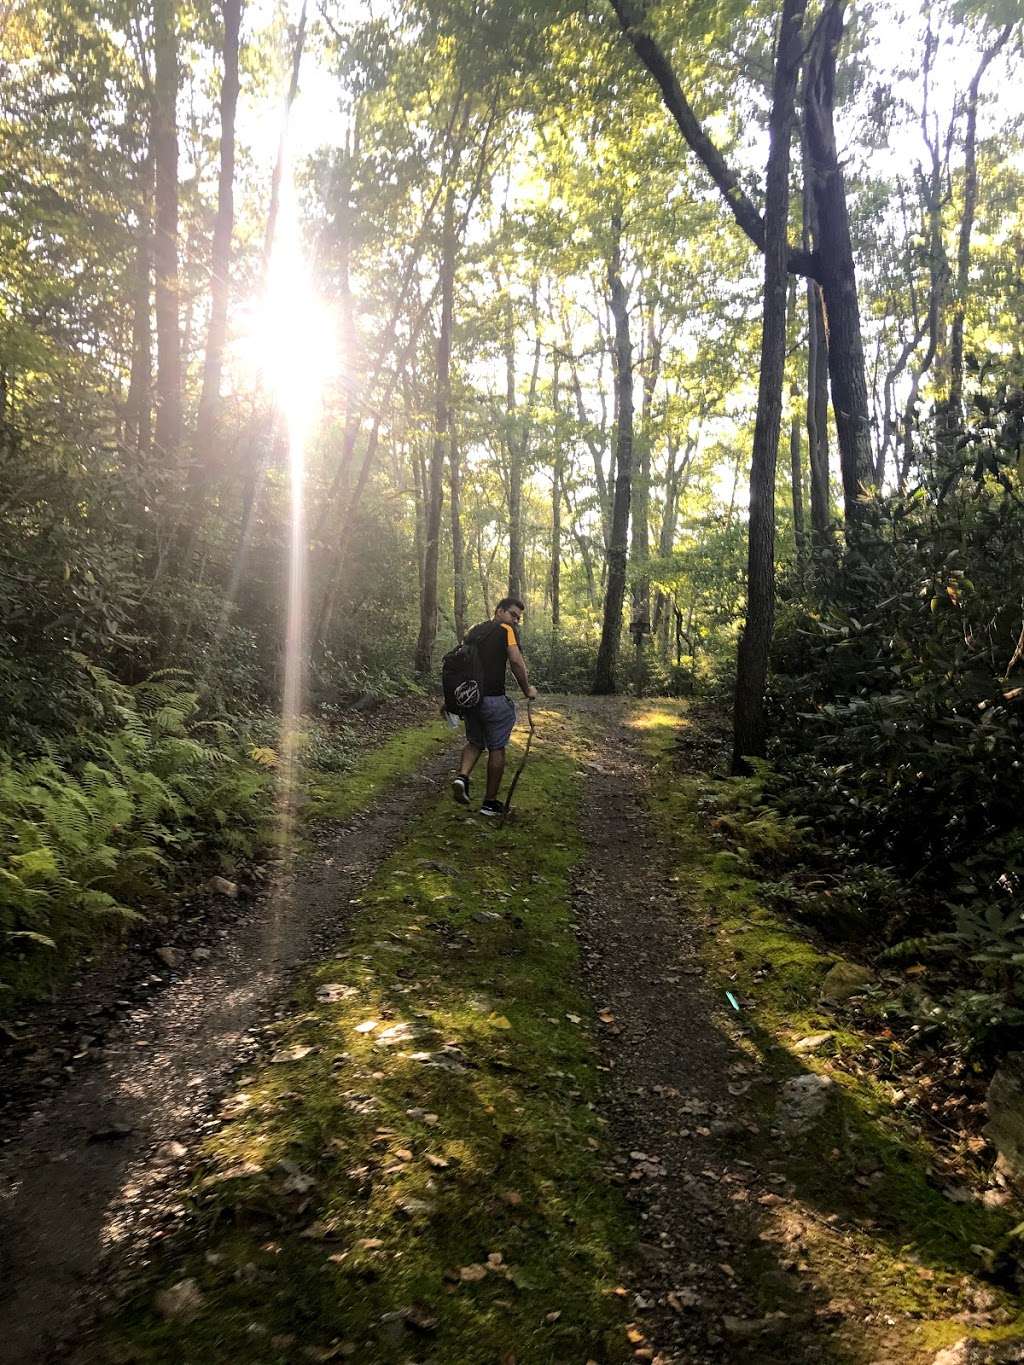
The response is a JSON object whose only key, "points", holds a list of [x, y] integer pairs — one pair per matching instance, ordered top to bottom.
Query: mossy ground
{"points": [[338, 796], [415, 1173], [874, 1226]]}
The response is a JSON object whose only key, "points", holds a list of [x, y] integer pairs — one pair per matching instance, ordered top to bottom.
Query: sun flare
{"points": [[294, 339]]}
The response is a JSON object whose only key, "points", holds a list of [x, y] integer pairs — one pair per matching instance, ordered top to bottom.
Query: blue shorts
{"points": [[490, 725]]}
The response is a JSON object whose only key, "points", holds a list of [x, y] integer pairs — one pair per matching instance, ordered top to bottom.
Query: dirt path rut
{"points": [[690, 1149], [94, 1162]]}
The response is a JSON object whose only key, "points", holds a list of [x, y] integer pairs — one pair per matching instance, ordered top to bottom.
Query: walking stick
{"points": [[522, 764]]}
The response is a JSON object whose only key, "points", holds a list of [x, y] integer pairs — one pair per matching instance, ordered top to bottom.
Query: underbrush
{"points": [[899, 723], [151, 793], [94, 829], [908, 1177]]}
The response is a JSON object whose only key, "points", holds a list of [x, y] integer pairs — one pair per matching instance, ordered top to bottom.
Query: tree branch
{"points": [[646, 47]]}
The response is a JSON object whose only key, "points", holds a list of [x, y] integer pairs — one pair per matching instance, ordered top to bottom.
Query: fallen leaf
{"points": [[606, 1017], [499, 1021], [367, 1026], [404, 1154], [439, 1163], [511, 1197], [471, 1274], [553, 1317]]}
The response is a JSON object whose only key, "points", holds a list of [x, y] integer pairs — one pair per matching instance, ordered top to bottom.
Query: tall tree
{"points": [[165, 241], [963, 255], [220, 261], [831, 262], [836, 272], [442, 422], [458, 540], [615, 587], [749, 719]]}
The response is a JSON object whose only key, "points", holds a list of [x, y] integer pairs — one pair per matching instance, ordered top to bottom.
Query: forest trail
{"points": [[508, 1118], [91, 1170]]}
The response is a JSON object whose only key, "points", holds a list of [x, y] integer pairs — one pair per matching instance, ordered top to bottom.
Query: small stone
{"points": [[220, 886], [200, 954], [171, 957], [844, 980], [333, 991], [812, 1042], [804, 1101], [1005, 1128], [171, 1151], [412, 1208], [180, 1302]]}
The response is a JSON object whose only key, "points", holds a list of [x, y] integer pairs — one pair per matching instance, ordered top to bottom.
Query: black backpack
{"points": [[462, 672]]}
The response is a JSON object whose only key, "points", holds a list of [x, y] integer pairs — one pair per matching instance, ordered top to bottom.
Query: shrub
{"points": [[88, 835]]}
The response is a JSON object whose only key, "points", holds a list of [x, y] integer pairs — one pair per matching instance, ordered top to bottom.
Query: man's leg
{"points": [[470, 754], [495, 772]]}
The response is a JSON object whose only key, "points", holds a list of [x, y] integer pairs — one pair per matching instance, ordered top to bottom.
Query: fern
{"points": [[86, 833]]}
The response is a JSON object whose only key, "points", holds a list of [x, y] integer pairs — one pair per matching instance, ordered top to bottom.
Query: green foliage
{"points": [[899, 716], [89, 834]]}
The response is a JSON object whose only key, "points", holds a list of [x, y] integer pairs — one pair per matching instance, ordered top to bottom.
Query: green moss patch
{"points": [[338, 796], [415, 1172], [874, 1216]]}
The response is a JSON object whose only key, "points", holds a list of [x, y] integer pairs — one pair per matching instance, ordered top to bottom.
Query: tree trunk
{"points": [[282, 149], [165, 241], [963, 255], [836, 270], [220, 286], [138, 407], [442, 420], [203, 471], [557, 472], [796, 478], [458, 545], [641, 547], [516, 569], [611, 628], [749, 718]]}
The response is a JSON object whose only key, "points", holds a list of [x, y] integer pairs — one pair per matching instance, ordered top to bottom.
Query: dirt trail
{"points": [[678, 1089], [92, 1166]]}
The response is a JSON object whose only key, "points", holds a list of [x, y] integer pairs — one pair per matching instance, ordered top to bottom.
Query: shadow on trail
{"points": [[86, 1176]]}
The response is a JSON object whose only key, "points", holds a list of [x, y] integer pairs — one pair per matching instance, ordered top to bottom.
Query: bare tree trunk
{"points": [[282, 150], [934, 198], [165, 242], [963, 255], [837, 273], [817, 384], [138, 407], [442, 422], [203, 458], [557, 469], [796, 473], [796, 477], [458, 547], [641, 548], [516, 571], [611, 628], [750, 721]]}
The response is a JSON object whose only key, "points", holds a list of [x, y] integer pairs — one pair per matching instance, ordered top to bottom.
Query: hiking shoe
{"points": [[460, 790], [494, 807]]}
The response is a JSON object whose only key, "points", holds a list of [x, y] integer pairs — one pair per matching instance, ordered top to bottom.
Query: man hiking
{"points": [[490, 724]]}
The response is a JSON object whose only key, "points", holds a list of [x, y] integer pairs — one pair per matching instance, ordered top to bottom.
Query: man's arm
{"points": [[518, 666]]}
